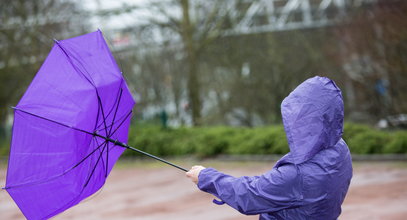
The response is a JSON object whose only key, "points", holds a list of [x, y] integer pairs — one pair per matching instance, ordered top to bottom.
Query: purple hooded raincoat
{"points": [[311, 181]]}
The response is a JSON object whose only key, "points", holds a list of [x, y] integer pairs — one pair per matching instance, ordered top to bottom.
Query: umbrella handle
{"points": [[118, 143]]}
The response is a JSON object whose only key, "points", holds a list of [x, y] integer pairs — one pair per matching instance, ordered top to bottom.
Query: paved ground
{"points": [[153, 191]]}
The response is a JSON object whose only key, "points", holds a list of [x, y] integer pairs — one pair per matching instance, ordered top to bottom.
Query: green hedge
{"points": [[211, 141], [4, 147]]}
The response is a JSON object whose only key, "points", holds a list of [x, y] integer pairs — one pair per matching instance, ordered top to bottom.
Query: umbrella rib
{"points": [[65, 51], [90, 79], [113, 107], [103, 112], [115, 112], [127, 116], [97, 119], [50, 120], [115, 122], [69, 126], [110, 130], [112, 133], [107, 134], [107, 138], [87, 156], [103, 162], [94, 167], [65, 172]]}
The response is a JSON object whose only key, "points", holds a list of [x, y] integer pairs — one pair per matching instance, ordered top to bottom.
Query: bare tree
{"points": [[197, 25], [27, 31]]}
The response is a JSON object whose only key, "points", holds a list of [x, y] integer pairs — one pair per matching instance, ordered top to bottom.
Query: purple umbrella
{"points": [[69, 128]]}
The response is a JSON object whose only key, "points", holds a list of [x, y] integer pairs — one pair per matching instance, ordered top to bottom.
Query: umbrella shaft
{"points": [[118, 143], [155, 157]]}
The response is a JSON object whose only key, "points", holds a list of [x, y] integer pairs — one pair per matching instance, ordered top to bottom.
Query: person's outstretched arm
{"points": [[275, 190]]}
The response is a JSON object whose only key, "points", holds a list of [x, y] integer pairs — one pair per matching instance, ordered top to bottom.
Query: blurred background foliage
{"points": [[213, 73], [212, 141], [204, 142]]}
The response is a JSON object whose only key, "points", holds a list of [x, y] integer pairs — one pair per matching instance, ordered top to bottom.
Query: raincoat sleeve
{"points": [[273, 191]]}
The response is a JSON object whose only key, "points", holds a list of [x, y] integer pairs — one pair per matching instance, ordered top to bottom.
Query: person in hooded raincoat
{"points": [[311, 181]]}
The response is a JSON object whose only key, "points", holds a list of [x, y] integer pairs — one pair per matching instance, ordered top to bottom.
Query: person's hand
{"points": [[193, 173]]}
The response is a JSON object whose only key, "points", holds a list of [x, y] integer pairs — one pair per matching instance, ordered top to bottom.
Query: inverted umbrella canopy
{"points": [[69, 128]]}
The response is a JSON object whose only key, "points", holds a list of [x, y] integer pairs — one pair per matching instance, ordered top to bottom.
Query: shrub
{"points": [[352, 129], [151, 139], [263, 140], [211, 141], [214, 141], [368, 142], [242, 143], [398, 143], [280, 144], [4, 147]]}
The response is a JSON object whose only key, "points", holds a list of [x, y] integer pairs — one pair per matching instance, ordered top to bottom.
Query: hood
{"points": [[313, 118]]}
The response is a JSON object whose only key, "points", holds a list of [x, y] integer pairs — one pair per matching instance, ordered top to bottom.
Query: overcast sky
{"points": [[138, 16]]}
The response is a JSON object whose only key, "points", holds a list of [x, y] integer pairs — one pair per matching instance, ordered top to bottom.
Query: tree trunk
{"points": [[193, 81]]}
